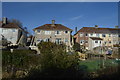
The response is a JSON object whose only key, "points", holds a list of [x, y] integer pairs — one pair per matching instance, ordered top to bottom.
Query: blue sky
{"points": [[70, 14]]}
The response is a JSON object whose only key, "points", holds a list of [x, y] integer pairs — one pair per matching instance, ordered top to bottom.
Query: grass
{"points": [[93, 65]]}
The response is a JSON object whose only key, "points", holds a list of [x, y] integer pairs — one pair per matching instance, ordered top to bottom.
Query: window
{"points": [[4, 30], [13, 30], [38, 31], [47, 32], [57, 32], [66, 32], [81, 34], [86, 34], [91, 34], [97, 35], [103, 35], [109, 35], [114, 35], [119, 35], [39, 40], [47, 40], [66, 40], [58, 41], [81, 41], [86, 41], [96, 41], [109, 41], [105, 42]]}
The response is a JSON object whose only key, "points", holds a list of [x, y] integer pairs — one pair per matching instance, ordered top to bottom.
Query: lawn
{"points": [[93, 65]]}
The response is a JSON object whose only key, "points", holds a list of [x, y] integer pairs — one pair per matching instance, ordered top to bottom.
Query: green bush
{"points": [[76, 47], [55, 56], [18, 60]]}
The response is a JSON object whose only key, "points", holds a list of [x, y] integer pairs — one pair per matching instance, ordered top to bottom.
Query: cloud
{"points": [[76, 18]]}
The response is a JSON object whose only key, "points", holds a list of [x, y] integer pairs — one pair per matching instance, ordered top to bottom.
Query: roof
{"points": [[11, 25], [53, 27], [99, 30], [96, 38]]}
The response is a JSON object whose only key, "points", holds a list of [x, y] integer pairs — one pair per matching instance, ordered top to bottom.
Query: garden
{"points": [[54, 63]]}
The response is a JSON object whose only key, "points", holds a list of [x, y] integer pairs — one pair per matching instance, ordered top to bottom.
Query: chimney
{"points": [[4, 20], [53, 22], [96, 26], [116, 27], [75, 29]]}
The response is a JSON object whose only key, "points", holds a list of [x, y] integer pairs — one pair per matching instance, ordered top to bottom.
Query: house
{"points": [[12, 32], [56, 33], [108, 36], [94, 42]]}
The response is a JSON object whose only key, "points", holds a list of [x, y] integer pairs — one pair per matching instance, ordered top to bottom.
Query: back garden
{"points": [[55, 63]]}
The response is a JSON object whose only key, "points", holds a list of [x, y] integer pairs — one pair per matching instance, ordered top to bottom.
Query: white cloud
{"points": [[76, 18]]}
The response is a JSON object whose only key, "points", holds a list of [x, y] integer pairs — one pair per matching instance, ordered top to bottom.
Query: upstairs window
{"points": [[13, 30], [38, 31], [47, 32], [57, 32], [66, 32], [81, 34], [86, 34], [91, 34], [97, 35], [103, 35], [109, 35], [119, 35], [96, 41], [105, 42]]}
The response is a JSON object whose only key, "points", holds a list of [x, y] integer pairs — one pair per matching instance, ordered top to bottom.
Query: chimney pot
{"points": [[53, 22], [96, 26], [117, 27]]}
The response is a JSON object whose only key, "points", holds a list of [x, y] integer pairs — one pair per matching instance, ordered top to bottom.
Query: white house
{"points": [[12, 32], [95, 42]]}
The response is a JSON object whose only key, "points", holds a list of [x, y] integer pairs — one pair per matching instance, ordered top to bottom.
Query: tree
{"points": [[17, 22], [76, 47], [54, 56]]}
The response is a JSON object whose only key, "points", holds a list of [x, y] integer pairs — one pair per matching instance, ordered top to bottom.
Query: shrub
{"points": [[76, 47], [54, 55], [18, 60]]}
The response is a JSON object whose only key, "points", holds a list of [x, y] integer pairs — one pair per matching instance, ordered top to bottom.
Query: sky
{"points": [[69, 14]]}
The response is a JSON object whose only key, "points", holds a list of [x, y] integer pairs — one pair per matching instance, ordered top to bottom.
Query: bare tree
{"points": [[17, 22]]}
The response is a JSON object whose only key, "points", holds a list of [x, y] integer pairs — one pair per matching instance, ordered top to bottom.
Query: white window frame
{"points": [[13, 30], [39, 31], [47, 32], [56, 32], [65, 32], [81, 34], [97, 35], [103, 35], [66, 39], [96, 41]]}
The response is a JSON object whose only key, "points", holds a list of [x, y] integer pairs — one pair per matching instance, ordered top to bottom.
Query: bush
{"points": [[76, 47], [55, 56], [18, 60]]}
